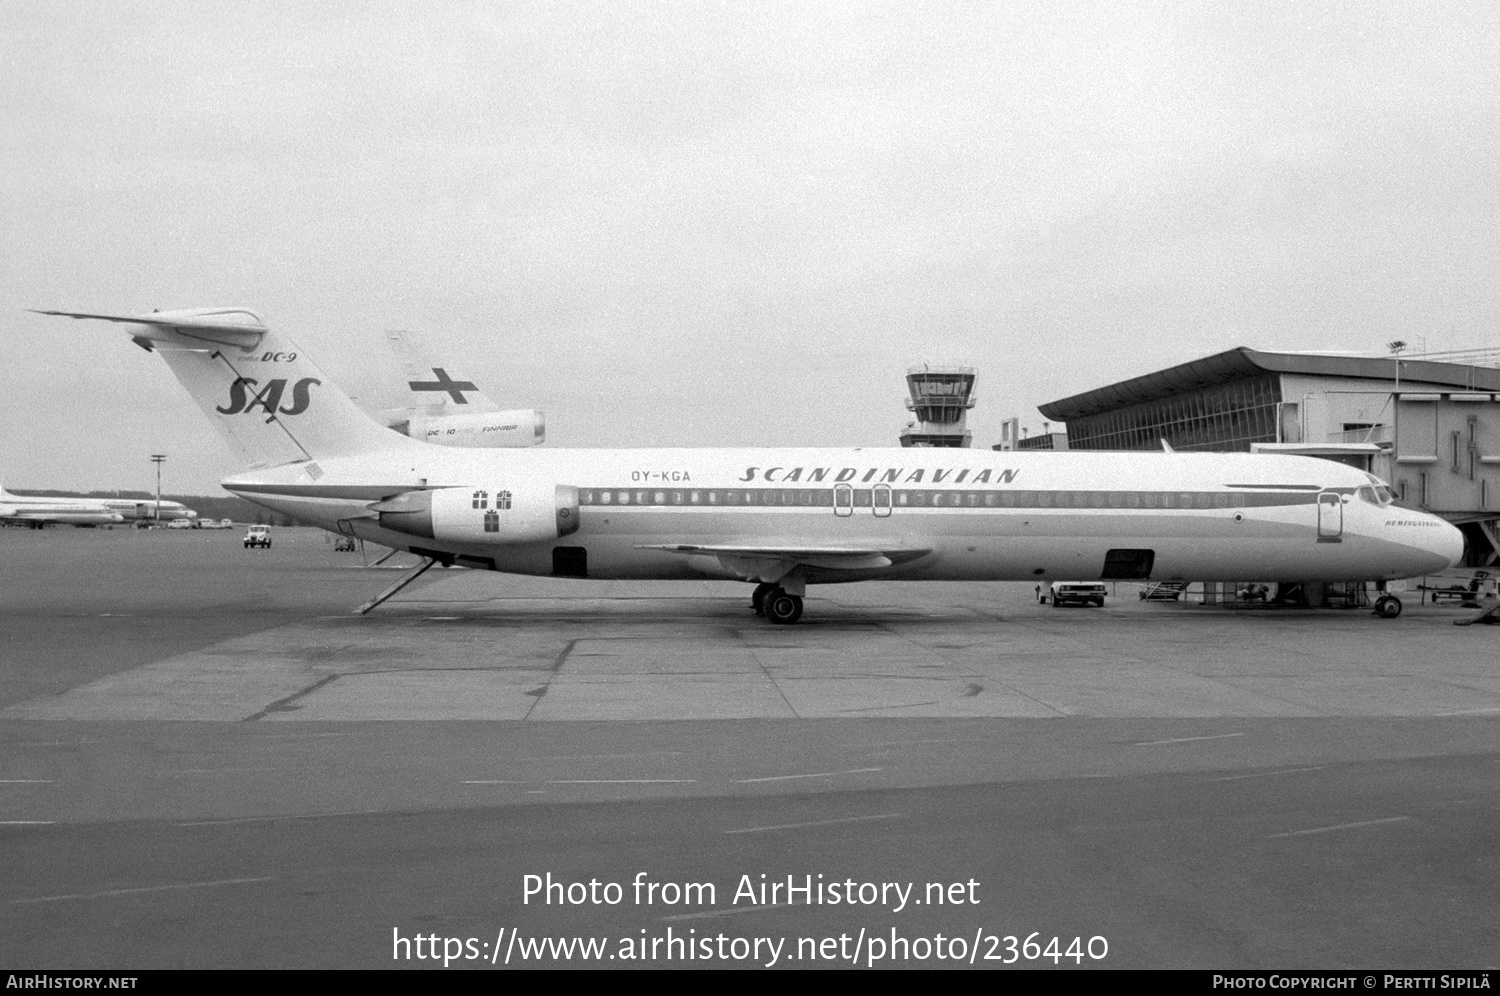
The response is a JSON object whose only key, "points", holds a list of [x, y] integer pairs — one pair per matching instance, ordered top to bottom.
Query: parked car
{"points": [[180, 524], [258, 536], [344, 544], [1082, 592]]}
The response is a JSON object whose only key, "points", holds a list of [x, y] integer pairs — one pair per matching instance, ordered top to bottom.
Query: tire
{"points": [[1056, 602], [1099, 602], [1388, 608], [783, 609]]}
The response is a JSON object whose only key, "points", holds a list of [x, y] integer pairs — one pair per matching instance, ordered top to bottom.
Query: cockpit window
{"points": [[1368, 494], [1384, 495]]}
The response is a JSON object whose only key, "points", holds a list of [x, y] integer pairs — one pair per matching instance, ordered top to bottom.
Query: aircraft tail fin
{"points": [[431, 389], [270, 402]]}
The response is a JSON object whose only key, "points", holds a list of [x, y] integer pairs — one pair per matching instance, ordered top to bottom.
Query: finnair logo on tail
{"points": [[268, 398]]}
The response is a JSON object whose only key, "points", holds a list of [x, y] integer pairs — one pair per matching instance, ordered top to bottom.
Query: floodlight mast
{"points": [[158, 459]]}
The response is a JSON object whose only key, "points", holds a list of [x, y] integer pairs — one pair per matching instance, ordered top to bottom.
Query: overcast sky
{"points": [[731, 224]]}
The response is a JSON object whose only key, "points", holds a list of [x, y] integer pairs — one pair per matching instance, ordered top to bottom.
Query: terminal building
{"points": [[940, 399], [1429, 426], [1013, 437]]}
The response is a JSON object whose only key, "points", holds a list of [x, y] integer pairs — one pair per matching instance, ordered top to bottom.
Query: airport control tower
{"points": [[941, 397]]}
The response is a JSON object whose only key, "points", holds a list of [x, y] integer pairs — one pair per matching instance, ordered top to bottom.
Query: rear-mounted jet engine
{"points": [[514, 514]]}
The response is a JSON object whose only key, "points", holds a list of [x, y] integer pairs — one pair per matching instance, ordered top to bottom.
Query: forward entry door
{"points": [[1330, 517]]}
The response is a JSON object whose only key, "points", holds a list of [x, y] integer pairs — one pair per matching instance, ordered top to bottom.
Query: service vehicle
{"points": [[258, 536], [1082, 592]]}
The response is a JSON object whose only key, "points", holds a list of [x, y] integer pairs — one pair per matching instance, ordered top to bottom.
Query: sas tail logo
{"points": [[268, 398]]}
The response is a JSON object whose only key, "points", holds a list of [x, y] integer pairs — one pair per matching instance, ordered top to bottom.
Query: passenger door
{"points": [[1330, 517]]}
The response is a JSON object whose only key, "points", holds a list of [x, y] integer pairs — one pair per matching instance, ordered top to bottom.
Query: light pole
{"points": [[1396, 346], [158, 459]]}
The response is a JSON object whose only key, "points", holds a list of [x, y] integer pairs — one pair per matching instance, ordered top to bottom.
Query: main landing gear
{"points": [[775, 604], [1387, 606]]}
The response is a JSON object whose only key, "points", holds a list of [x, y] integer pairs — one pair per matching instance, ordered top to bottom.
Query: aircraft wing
{"points": [[225, 326], [777, 561]]}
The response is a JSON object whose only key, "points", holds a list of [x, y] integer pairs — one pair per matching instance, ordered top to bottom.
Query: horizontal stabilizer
{"points": [[223, 326]]}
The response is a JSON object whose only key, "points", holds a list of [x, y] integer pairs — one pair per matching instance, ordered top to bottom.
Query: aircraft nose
{"points": [[1447, 546]]}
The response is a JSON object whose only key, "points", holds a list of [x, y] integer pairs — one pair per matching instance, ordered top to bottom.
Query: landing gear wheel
{"points": [[758, 600], [1388, 607], [782, 608]]}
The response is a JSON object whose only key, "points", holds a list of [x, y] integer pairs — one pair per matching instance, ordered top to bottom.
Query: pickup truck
{"points": [[1082, 592]]}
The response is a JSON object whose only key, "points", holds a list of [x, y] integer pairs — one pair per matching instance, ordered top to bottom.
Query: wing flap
{"points": [[760, 560]]}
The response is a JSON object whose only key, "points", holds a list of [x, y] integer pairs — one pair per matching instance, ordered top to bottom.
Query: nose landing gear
{"points": [[1387, 606]]}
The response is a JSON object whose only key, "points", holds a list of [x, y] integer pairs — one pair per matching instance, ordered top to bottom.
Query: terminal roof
{"points": [[1242, 362]]}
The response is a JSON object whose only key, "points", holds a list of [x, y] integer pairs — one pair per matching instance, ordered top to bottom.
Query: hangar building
{"points": [[1429, 426]]}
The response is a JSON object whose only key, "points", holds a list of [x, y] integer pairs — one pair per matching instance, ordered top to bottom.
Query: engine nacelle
{"points": [[478, 430], [515, 513]]}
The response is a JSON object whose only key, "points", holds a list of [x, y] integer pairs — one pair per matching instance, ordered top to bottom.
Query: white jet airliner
{"points": [[445, 409], [38, 511], [782, 518]]}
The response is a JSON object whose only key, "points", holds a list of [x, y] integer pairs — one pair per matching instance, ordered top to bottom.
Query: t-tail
{"points": [[268, 400]]}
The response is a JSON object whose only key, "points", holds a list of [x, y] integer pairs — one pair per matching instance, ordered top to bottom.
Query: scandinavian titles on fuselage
{"points": [[888, 475]]}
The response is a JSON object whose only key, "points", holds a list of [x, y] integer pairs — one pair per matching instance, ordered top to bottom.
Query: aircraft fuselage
{"points": [[936, 514]]}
